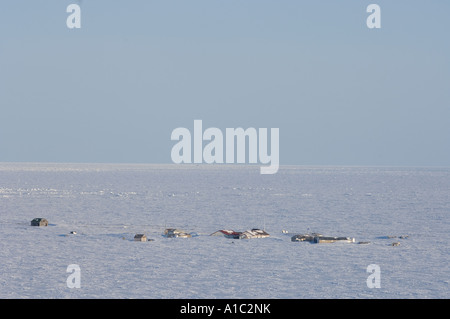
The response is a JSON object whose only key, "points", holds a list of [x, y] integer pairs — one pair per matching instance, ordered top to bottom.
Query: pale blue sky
{"points": [[113, 91]]}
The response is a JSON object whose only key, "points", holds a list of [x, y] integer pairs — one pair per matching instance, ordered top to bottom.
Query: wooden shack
{"points": [[39, 222], [140, 237]]}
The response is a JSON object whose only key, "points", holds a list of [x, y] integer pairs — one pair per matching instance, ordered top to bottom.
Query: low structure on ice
{"points": [[39, 222], [173, 232], [227, 233], [254, 233], [394, 236], [140, 237], [305, 237], [318, 238], [323, 239]]}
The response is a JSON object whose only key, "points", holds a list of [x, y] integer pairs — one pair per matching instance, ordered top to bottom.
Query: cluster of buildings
{"points": [[247, 234]]}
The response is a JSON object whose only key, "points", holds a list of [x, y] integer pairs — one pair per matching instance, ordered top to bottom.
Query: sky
{"points": [[113, 90]]}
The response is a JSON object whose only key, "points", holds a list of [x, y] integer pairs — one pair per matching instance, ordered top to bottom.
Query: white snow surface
{"points": [[107, 204]]}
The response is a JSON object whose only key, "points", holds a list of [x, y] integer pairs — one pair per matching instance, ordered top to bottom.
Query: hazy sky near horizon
{"points": [[113, 90]]}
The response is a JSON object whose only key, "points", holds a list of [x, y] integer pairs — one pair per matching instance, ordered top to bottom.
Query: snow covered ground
{"points": [[108, 204]]}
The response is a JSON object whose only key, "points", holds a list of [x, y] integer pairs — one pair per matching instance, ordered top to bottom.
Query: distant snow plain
{"points": [[107, 204]]}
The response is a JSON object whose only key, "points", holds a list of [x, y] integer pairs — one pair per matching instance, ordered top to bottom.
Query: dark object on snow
{"points": [[39, 222], [140, 237], [301, 237], [305, 237]]}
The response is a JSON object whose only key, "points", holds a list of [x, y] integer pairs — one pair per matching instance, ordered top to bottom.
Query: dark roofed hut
{"points": [[39, 222], [140, 237]]}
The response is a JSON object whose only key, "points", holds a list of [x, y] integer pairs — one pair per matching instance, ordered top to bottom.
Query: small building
{"points": [[39, 222], [173, 233], [227, 233], [254, 233], [140, 237], [303, 237], [318, 238], [324, 239]]}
